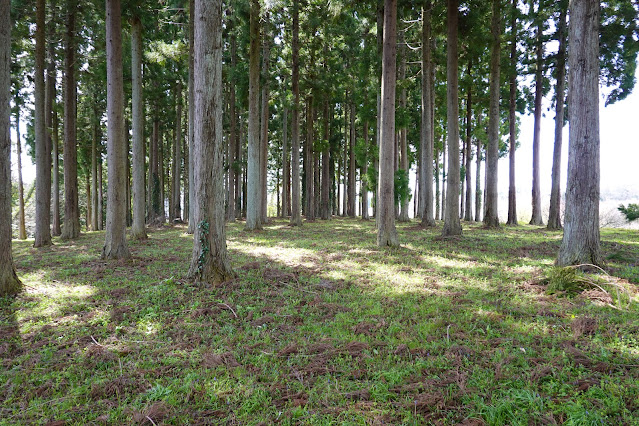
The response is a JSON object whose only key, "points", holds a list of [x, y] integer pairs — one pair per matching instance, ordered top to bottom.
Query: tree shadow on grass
{"points": [[397, 339]]}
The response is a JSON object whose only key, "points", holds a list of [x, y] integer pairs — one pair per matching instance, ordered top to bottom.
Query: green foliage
{"points": [[402, 188], [631, 212], [568, 280]]}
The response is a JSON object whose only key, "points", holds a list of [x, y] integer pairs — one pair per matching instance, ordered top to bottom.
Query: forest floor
{"points": [[323, 327]]}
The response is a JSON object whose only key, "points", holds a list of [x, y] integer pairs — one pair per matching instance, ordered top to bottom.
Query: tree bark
{"points": [[191, 101], [264, 126], [403, 140], [43, 159], [326, 159], [233, 160], [285, 162], [351, 163], [94, 170], [363, 173], [176, 190], [512, 190], [100, 196], [55, 210], [468, 213], [491, 214], [253, 215], [554, 215], [296, 217], [536, 218], [452, 224], [71, 228], [22, 229], [138, 230], [386, 231], [580, 243], [115, 246], [209, 262], [9, 282]]}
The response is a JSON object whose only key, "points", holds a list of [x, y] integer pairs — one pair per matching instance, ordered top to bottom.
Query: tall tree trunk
{"points": [[49, 101], [191, 101], [264, 124], [378, 128], [403, 141], [426, 143], [43, 159], [345, 159], [233, 160], [285, 161], [310, 162], [351, 163], [326, 170], [94, 171], [363, 174], [161, 178], [444, 180], [87, 182], [512, 190], [176, 191], [437, 191], [478, 192], [100, 196], [55, 210], [468, 212], [491, 214], [253, 215], [554, 216], [296, 217], [536, 218], [452, 225], [71, 228], [22, 229], [138, 230], [386, 231], [580, 244], [115, 246], [209, 262], [9, 282]]}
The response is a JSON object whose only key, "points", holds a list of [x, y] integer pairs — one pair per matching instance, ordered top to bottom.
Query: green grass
{"points": [[322, 327]]}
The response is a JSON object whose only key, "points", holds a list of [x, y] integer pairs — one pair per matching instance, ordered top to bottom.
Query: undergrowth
{"points": [[323, 327]]}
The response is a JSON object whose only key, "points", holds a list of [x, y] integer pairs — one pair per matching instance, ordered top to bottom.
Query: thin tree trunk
{"points": [[49, 101], [191, 101], [264, 124], [403, 141], [427, 148], [43, 159], [233, 160], [285, 162], [310, 162], [351, 164], [94, 171], [364, 173], [444, 180], [87, 182], [512, 190], [176, 191], [437, 192], [478, 192], [100, 196], [55, 211], [468, 212], [253, 215], [491, 215], [554, 215], [296, 217], [536, 218], [452, 225], [71, 228], [22, 230], [138, 230], [386, 231], [580, 243], [115, 246], [209, 262], [9, 282]]}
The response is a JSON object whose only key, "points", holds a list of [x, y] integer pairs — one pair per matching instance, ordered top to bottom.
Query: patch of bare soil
{"points": [[277, 276], [583, 326], [288, 350], [210, 360], [118, 387], [152, 415]]}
